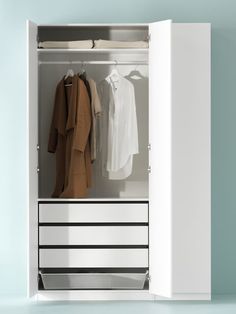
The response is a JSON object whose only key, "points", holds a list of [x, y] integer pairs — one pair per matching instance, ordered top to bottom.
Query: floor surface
{"points": [[219, 304]]}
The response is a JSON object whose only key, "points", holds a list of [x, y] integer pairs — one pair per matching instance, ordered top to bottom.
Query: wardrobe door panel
{"points": [[32, 157], [191, 159], [160, 199], [180, 202], [93, 258]]}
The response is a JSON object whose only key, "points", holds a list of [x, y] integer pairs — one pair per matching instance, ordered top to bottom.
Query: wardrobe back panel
{"points": [[131, 33], [134, 186]]}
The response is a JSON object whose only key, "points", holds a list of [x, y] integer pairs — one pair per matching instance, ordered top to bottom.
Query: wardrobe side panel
{"points": [[32, 156], [191, 165]]}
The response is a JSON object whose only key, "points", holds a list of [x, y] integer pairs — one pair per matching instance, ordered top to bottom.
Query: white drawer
{"points": [[94, 212], [93, 235], [86, 258]]}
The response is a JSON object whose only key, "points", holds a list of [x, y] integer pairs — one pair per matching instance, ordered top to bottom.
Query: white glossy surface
{"points": [[160, 124], [191, 154], [32, 156], [180, 190], [100, 212], [93, 235], [86, 258]]}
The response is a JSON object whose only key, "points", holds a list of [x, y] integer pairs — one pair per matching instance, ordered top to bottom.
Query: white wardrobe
{"points": [[147, 237]]}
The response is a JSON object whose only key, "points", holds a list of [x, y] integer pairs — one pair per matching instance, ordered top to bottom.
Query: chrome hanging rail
{"points": [[108, 62]]}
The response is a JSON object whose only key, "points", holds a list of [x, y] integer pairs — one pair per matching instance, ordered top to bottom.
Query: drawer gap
{"points": [[66, 224], [93, 246], [93, 270]]}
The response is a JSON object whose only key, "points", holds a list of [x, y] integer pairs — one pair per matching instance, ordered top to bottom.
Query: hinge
{"points": [[149, 37], [149, 146], [38, 147], [149, 169], [39, 276], [148, 277]]}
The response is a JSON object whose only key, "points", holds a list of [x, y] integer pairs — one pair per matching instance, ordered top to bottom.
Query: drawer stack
{"points": [[93, 236]]}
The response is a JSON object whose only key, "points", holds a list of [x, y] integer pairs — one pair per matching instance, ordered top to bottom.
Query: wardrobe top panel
{"points": [[126, 25], [129, 32]]}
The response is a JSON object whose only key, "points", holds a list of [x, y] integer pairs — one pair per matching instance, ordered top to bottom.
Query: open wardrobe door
{"points": [[180, 141], [32, 157], [160, 207]]}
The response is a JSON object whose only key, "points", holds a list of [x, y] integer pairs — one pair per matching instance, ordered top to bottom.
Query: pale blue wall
{"points": [[13, 14]]}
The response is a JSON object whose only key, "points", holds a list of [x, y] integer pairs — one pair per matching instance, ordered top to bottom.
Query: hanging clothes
{"points": [[83, 77], [96, 110], [119, 127], [57, 135], [73, 169]]}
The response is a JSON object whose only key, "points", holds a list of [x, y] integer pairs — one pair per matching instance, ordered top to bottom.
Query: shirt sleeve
{"points": [[97, 102], [134, 125]]}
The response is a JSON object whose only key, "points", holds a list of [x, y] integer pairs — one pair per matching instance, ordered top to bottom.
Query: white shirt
{"points": [[119, 127]]}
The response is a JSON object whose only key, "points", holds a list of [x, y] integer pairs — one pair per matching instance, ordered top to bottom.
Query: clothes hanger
{"points": [[82, 70], [70, 73], [115, 74], [135, 74]]}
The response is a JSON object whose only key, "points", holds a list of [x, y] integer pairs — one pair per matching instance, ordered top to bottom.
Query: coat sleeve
{"points": [[83, 121], [53, 133]]}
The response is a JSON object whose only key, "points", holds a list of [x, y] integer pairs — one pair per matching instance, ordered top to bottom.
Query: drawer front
{"points": [[90, 212], [93, 235], [86, 258]]}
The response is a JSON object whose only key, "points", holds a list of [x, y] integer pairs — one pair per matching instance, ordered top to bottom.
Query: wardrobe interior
{"points": [[135, 69]]}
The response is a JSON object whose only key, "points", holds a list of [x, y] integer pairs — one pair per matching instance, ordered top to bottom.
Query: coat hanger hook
{"points": [[83, 67]]}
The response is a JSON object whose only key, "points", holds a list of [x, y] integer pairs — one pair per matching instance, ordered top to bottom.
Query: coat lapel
{"points": [[72, 105], [61, 112]]}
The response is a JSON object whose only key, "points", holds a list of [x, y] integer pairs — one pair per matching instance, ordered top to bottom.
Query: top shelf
{"points": [[94, 51]]}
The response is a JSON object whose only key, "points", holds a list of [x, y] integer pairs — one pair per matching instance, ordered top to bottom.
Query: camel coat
{"points": [[69, 138]]}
